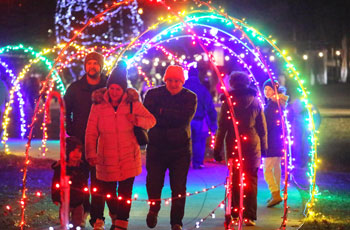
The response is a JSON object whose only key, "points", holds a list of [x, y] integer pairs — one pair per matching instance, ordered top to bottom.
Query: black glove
{"points": [[217, 156]]}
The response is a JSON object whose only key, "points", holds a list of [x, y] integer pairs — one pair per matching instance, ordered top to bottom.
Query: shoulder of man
{"points": [[75, 84], [155, 91], [189, 93]]}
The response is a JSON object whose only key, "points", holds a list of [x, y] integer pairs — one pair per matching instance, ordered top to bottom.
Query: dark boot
{"points": [[151, 219], [176, 227]]}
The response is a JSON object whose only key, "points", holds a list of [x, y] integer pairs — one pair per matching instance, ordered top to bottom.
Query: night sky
{"points": [[302, 23]]}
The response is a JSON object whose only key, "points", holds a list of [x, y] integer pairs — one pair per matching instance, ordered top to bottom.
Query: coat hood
{"points": [[98, 96], [243, 97]]}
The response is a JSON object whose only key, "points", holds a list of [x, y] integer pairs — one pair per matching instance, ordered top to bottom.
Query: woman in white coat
{"points": [[111, 146]]}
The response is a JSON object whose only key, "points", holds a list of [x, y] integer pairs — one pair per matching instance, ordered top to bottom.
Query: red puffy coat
{"points": [[110, 138]]}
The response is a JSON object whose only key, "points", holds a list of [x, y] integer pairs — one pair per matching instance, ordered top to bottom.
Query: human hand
{"points": [[92, 161]]}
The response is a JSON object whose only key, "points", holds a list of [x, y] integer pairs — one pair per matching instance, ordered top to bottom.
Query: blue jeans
{"points": [[199, 140]]}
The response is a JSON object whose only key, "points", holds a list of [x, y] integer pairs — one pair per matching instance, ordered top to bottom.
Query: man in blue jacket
{"points": [[205, 118]]}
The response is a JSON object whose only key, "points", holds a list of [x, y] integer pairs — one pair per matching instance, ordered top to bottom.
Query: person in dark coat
{"points": [[78, 101], [78, 104], [205, 118], [252, 129], [169, 144], [274, 153], [77, 170]]}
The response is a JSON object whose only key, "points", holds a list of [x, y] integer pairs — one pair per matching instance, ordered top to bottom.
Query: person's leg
{"points": [[198, 149], [197, 159], [156, 169], [178, 170], [277, 172], [269, 174], [275, 189], [251, 192], [235, 193], [110, 194], [124, 198], [123, 203], [87, 205], [97, 207], [77, 214]]}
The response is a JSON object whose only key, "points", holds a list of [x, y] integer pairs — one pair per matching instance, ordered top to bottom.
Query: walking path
{"points": [[197, 206]]}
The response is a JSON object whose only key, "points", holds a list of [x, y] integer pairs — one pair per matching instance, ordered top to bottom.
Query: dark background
{"points": [[305, 24]]}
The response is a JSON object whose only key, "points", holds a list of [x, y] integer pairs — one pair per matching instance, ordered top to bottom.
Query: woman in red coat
{"points": [[112, 146]]}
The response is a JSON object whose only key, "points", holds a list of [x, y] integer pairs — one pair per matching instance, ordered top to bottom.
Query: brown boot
{"points": [[276, 199]]}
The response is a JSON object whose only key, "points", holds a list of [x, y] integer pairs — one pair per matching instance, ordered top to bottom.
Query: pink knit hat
{"points": [[174, 72]]}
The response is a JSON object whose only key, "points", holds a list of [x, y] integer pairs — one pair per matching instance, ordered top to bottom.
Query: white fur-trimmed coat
{"points": [[110, 138]]}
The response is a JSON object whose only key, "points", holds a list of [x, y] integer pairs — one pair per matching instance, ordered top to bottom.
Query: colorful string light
{"points": [[244, 40]]}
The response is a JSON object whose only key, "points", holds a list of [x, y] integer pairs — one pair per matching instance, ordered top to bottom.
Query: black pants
{"points": [[157, 162], [250, 191], [87, 205], [117, 207]]}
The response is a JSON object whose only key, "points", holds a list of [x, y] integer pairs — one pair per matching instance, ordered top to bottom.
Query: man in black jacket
{"points": [[78, 104], [169, 144]]}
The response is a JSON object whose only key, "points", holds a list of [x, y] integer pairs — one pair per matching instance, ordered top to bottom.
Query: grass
{"points": [[334, 148], [333, 204]]}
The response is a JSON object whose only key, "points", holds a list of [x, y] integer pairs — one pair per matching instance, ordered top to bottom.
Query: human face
{"points": [[92, 68], [174, 86], [115, 92], [269, 92], [75, 155]]}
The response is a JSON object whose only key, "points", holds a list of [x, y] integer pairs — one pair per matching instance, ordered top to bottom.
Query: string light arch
{"points": [[248, 33]]}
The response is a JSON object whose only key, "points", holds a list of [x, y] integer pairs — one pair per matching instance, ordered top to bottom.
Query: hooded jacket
{"points": [[205, 105], [274, 126], [252, 127], [110, 138], [78, 175]]}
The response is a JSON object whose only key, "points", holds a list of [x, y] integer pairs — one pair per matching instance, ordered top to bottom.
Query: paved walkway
{"points": [[197, 206]]}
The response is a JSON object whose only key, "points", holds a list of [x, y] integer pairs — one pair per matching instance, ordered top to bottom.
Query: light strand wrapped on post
{"points": [[240, 26], [230, 105], [280, 112], [27, 161], [64, 179]]}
